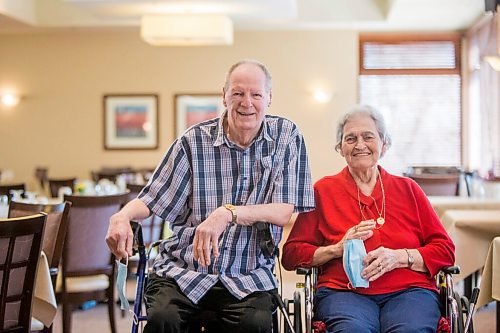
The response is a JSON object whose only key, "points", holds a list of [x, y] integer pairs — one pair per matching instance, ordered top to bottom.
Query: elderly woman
{"points": [[405, 243]]}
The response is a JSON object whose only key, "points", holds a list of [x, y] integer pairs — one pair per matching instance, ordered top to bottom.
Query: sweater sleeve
{"points": [[304, 240], [437, 248]]}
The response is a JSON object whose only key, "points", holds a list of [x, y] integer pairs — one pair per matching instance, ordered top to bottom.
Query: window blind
{"points": [[422, 109]]}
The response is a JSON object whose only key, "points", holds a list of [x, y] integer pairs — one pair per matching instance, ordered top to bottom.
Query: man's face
{"points": [[246, 98]]}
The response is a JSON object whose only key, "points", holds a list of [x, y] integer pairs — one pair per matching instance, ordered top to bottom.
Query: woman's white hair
{"points": [[368, 111]]}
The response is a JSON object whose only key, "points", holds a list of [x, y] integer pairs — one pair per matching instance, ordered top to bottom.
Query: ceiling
{"points": [[361, 15]]}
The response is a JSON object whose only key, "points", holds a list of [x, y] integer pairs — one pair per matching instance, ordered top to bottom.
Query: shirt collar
{"points": [[221, 137]]}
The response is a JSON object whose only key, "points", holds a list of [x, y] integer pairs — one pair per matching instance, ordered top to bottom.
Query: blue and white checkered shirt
{"points": [[203, 170]]}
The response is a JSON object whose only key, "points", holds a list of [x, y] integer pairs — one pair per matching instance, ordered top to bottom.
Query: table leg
{"points": [[468, 285], [498, 316]]}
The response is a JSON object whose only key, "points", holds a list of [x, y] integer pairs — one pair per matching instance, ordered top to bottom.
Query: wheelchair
{"points": [[456, 313], [207, 318]]}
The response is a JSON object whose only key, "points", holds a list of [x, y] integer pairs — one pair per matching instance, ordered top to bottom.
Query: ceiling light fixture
{"points": [[187, 29]]}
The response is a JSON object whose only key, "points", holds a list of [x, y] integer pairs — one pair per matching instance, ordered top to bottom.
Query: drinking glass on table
{"points": [[16, 194]]}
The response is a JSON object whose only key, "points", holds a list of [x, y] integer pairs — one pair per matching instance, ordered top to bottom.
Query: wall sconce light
{"points": [[322, 96], [9, 99]]}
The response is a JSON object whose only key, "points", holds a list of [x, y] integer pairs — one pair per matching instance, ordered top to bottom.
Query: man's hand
{"points": [[206, 236], [120, 237]]}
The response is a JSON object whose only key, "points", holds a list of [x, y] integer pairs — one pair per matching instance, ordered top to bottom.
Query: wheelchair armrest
{"points": [[451, 270], [303, 271]]}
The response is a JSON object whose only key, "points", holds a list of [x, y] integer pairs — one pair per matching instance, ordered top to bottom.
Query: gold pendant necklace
{"points": [[381, 213]]}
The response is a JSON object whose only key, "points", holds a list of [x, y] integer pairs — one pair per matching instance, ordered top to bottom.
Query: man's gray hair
{"points": [[254, 62], [368, 111]]}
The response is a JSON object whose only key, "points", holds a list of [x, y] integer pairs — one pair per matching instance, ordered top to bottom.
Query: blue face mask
{"points": [[354, 253], [121, 286]]}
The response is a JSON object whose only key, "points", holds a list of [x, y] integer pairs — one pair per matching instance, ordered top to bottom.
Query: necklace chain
{"points": [[381, 213]]}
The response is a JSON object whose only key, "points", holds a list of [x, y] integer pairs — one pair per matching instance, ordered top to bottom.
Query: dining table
{"points": [[443, 203], [472, 231], [490, 279]]}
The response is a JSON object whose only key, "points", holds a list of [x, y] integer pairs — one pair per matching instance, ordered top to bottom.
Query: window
{"points": [[414, 81]]}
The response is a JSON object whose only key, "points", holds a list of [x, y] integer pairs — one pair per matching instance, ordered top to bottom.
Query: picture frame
{"points": [[191, 109], [130, 121]]}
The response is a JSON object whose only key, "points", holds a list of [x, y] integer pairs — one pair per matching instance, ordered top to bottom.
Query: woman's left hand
{"points": [[378, 262]]}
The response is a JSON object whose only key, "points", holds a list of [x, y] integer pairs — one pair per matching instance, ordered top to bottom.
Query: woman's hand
{"points": [[363, 231], [323, 254], [380, 261]]}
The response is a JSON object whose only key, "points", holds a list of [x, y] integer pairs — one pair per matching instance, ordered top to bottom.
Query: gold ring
{"points": [[356, 229]]}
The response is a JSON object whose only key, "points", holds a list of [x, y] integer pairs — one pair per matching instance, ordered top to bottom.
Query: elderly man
{"points": [[215, 182]]}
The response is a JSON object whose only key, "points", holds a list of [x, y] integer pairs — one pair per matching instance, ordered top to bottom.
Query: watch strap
{"points": [[232, 209], [411, 260]]}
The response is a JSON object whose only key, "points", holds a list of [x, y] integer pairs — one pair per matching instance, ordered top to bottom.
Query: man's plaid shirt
{"points": [[203, 170]]}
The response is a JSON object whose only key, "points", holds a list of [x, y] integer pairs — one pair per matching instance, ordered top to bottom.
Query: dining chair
{"points": [[41, 174], [56, 184], [438, 184], [6, 188], [53, 238], [20, 245], [88, 270]]}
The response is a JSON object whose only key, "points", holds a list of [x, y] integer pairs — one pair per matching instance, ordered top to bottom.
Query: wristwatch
{"points": [[232, 209], [411, 260]]}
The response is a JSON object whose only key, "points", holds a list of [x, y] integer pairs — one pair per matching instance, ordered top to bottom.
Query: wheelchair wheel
{"points": [[462, 309], [297, 312]]}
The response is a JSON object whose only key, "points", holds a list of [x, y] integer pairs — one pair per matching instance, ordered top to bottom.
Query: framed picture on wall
{"points": [[191, 109], [130, 121]]}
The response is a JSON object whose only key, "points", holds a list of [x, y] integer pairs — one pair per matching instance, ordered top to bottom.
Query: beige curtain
{"points": [[484, 96]]}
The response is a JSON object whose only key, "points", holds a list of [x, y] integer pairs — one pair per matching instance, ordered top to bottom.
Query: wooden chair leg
{"points": [[111, 309], [67, 313]]}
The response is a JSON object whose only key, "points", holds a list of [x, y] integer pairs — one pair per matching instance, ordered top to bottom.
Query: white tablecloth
{"points": [[443, 203], [4, 211], [472, 232], [490, 279], [44, 300]]}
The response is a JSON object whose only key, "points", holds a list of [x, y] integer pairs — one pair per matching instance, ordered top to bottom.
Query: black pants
{"points": [[169, 310]]}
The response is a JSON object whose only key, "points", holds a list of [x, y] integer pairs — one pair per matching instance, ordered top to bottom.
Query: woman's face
{"points": [[361, 144]]}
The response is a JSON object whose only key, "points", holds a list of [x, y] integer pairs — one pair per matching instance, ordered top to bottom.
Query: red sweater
{"points": [[410, 222]]}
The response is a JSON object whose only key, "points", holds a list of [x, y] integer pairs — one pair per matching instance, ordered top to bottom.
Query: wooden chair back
{"points": [[56, 184], [438, 184], [6, 188], [55, 228], [20, 245], [85, 250]]}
